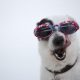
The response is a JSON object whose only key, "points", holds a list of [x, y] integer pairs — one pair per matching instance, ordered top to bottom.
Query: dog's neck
{"points": [[63, 70]]}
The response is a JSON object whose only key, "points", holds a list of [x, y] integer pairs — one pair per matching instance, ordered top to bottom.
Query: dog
{"points": [[59, 48]]}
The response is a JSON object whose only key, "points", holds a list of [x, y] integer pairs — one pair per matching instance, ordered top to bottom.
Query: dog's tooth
{"points": [[57, 56]]}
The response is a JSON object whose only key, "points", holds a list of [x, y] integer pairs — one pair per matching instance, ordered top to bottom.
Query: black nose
{"points": [[58, 41]]}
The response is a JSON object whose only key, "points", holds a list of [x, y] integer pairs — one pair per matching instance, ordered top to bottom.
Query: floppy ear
{"points": [[43, 21]]}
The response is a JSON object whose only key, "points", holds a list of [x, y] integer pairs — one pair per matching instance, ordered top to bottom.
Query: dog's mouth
{"points": [[60, 53]]}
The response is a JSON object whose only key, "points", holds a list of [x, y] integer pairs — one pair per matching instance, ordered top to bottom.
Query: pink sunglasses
{"points": [[43, 31]]}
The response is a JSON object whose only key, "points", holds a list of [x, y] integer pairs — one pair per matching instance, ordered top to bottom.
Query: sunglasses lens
{"points": [[68, 28], [43, 32]]}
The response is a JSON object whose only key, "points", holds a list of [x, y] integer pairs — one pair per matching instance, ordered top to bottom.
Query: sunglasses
{"points": [[44, 31]]}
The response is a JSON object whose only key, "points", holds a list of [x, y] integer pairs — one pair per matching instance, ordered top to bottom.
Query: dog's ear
{"points": [[43, 21]]}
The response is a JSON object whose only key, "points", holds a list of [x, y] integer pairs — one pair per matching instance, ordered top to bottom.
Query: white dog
{"points": [[59, 48]]}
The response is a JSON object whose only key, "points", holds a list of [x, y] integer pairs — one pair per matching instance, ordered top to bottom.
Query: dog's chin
{"points": [[60, 53]]}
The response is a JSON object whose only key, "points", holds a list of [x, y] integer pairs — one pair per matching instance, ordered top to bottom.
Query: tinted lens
{"points": [[68, 29], [43, 32]]}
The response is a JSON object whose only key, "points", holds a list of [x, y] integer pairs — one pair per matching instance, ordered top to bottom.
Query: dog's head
{"points": [[56, 37]]}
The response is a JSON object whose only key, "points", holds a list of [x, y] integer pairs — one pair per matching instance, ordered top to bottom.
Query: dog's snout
{"points": [[58, 40]]}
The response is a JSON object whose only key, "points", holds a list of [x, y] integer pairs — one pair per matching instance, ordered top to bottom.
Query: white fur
{"points": [[49, 61]]}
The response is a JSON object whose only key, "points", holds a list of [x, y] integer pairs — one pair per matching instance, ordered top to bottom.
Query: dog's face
{"points": [[57, 40]]}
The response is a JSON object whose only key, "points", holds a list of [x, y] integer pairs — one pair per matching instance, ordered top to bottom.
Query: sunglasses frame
{"points": [[64, 24], [46, 26]]}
